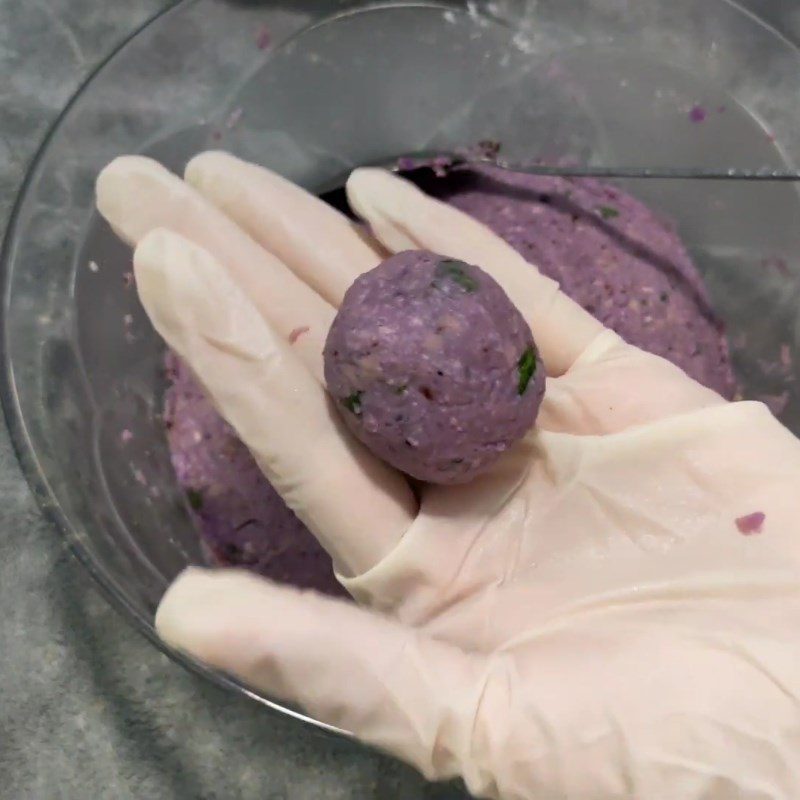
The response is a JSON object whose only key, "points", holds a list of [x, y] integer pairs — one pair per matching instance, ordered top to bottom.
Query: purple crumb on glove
{"points": [[751, 523]]}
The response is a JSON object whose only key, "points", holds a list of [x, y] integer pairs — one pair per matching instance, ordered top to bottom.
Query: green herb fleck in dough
{"points": [[608, 212], [456, 271], [526, 367], [401, 389], [353, 403], [195, 498]]}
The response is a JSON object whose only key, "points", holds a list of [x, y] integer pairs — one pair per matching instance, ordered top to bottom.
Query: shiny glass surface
{"points": [[313, 88]]}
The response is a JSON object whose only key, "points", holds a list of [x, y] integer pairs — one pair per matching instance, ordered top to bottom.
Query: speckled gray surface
{"points": [[87, 707]]}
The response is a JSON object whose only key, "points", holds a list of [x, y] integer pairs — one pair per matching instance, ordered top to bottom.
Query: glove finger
{"points": [[137, 194], [320, 245], [354, 504], [388, 684]]}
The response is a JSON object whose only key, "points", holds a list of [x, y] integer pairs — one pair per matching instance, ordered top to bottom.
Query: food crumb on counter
{"points": [[263, 37], [697, 113]]}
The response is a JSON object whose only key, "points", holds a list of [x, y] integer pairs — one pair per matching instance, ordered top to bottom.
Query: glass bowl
{"points": [[312, 92]]}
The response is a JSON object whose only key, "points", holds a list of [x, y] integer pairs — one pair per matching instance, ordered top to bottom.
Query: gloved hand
{"points": [[606, 614]]}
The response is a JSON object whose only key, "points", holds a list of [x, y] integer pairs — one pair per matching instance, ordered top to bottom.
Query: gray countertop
{"points": [[88, 708]]}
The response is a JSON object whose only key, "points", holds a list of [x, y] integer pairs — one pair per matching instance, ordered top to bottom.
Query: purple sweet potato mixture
{"points": [[609, 252], [612, 255], [433, 367]]}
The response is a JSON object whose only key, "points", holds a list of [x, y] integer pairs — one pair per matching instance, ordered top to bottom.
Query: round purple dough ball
{"points": [[432, 366]]}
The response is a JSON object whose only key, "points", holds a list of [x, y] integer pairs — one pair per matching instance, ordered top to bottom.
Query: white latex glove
{"points": [[585, 622]]}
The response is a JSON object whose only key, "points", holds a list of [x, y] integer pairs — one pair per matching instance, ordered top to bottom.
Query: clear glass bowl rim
{"points": [[19, 435], [20, 439]]}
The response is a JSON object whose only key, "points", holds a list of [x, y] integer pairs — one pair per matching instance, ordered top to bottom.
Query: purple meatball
{"points": [[433, 367]]}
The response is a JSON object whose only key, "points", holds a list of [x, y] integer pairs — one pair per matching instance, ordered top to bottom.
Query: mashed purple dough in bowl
{"points": [[610, 253], [433, 367]]}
